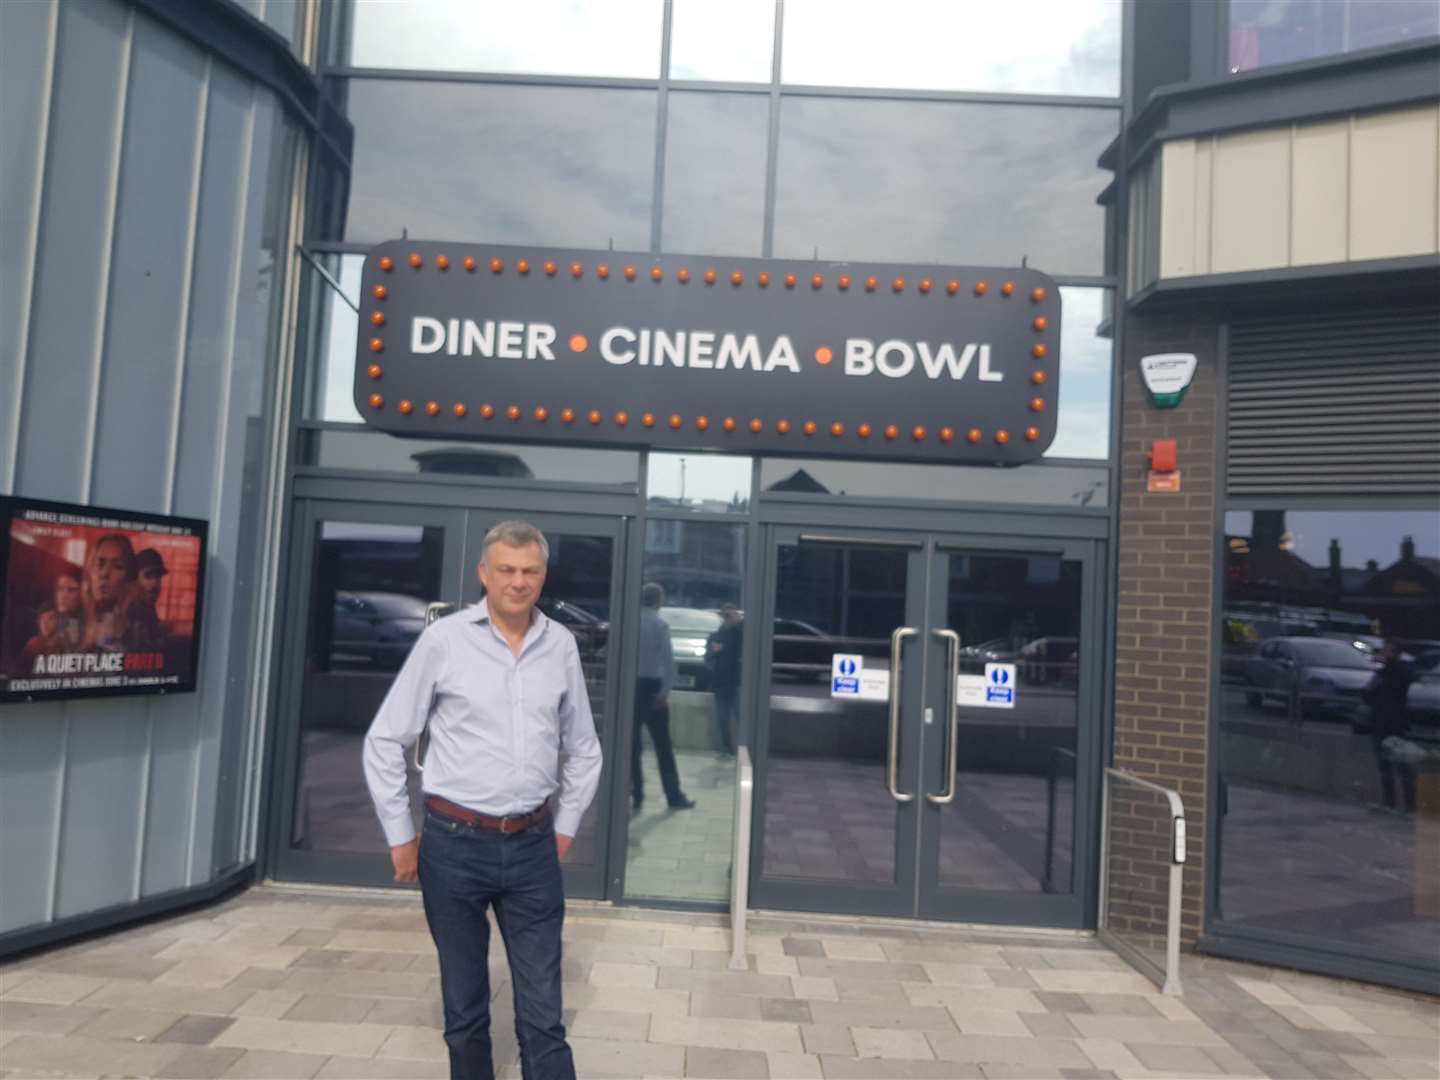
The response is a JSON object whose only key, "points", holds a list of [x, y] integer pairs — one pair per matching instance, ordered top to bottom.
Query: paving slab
{"points": [[714, 1064]]}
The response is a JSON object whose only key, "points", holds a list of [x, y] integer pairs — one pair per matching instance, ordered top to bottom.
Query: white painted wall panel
{"points": [[1393, 184], [1177, 188], [1251, 201], [1321, 207]]}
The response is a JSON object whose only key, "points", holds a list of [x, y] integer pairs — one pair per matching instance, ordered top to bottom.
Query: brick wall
{"points": [[1163, 627]]}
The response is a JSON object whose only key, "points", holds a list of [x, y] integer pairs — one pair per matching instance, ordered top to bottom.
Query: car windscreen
{"points": [[394, 605], [690, 620], [1336, 654]]}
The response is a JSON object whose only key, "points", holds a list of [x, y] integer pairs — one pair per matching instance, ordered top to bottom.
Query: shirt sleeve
{"points": [[396, 726], [579, 748]]}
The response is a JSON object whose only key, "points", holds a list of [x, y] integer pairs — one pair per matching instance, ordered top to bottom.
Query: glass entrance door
{"points": [[366, 576], [925, 717]]}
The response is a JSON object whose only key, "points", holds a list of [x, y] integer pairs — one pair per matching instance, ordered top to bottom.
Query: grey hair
{"points": [[515, 534], [652, 594]]}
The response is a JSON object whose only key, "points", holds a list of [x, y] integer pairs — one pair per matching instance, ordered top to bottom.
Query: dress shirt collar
{"points": [[539, 623]]}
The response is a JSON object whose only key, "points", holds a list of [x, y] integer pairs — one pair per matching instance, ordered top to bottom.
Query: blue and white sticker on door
{"points": [[849, 678], [993, 690]]}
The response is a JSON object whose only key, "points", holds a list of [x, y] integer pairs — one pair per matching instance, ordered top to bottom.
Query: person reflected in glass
{"points": [[722, 656], [654, 679], [1387, 695]]}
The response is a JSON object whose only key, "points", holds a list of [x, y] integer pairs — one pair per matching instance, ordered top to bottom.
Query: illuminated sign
{"points": [[467, 341]]}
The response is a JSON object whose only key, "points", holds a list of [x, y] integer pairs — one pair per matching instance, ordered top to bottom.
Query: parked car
{"points": [[374, 629], [690, 630], [592, 633], [801, 651], [1052, 660], [1326, 675]]}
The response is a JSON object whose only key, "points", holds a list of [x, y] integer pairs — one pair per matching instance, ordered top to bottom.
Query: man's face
{"points": [[107, 573], [513, 578], [150, 582], [67, 595]]}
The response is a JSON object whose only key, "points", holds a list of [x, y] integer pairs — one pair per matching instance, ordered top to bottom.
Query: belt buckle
{"points": [[505, 821]]}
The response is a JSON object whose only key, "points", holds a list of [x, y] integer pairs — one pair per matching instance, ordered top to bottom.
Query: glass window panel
{"points": [[1268, 32], [550, 37], [733, 40], [1021, 46], [504, 164], [715, 173], [942, 182], [334, 340], [1085, 365], [378, 452], [714, 483], [1058, 485], [1330, 741], [683, 750]]}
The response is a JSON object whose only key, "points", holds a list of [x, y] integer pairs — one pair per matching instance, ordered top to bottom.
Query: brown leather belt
{"points": [[512, 823]]}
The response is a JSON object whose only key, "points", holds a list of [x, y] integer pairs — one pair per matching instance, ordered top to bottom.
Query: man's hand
{"points": [[661, 700], [562, 844], [406, 860]]}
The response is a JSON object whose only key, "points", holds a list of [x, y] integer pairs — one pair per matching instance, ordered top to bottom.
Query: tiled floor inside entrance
{"points": [[319, 983]]}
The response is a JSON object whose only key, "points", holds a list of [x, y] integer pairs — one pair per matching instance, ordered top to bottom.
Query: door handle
{"points": [[897, 667], [952, 704]]}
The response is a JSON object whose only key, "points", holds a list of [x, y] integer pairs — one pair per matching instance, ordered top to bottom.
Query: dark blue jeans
{"points": [[463, 871]]}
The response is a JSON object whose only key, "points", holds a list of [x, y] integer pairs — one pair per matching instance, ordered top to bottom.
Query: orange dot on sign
{"points": [[415, 260], [443, 262], [387, 263], [469, 263], [496, 265], [523, 265], [549, 268], [576, 269], [602, 271], [629, 273], [656, 273], [682, 275], [710, 277], [736, 277], [763, 278], [790, 280], [818, 281], [844, 282], [871, 284], [898, 284], [926, 284], [952, 286], [981, 288], [1007, 289], [380, 292], [1037, 294], [378, 318], [1040, 322], [578, 343], [377, 345], [1039, 351], [823, 355], [374, 371], [1038, 378], [376, 401], [1037, 404], [406, 407], [433, 408], [460, 409], [487, 411], [513, 412], [542, 414], [567, 415], [594, 417], [622, 418], [647, 419], [675, 420], [702, 423], [728, 423], [757, 425], [782, 426], [810, 427], [837, 429], [864, 431], [892, 431], [917, 433], [1032, 433], [947, 434], [974, 435], [1002, 436]]}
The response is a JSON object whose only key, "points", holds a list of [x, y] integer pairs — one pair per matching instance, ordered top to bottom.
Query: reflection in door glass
{"points": [[370, 585], [828, 814], [1011, 826]]}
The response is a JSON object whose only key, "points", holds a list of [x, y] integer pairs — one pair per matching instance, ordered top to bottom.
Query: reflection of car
{"points": [[375, 628], [690, 630], [591, 632], [801, 651], [1050, 660], [1327, 675]]}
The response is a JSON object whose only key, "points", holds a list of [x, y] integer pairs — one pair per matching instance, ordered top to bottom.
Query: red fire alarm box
{"points": [[1164, 466]]}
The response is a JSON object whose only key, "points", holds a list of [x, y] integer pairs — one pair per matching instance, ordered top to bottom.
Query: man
{"points": [[69, 625], [145, 632], [722, 654], [654, 678], [501, 689], [1388, 698]]}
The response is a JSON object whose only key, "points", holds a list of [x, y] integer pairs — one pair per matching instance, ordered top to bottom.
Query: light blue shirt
{"points": [[657, 652], [499, 724]]}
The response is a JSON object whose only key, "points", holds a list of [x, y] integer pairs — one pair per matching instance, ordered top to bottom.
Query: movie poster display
{"points": [[95, 602]]}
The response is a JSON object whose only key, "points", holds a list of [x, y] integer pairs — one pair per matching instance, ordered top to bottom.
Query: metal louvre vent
{"points": [[1335, 404]]}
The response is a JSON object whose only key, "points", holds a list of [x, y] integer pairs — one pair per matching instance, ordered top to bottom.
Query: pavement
{"points": [[331, 983]]}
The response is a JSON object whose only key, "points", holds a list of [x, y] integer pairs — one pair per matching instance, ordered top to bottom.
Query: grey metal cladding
{"points": [[998, 374], [1335, 403]]}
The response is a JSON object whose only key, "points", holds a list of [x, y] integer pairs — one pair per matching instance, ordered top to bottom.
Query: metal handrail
{"points": [[740, 859], [1169, 979]]}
